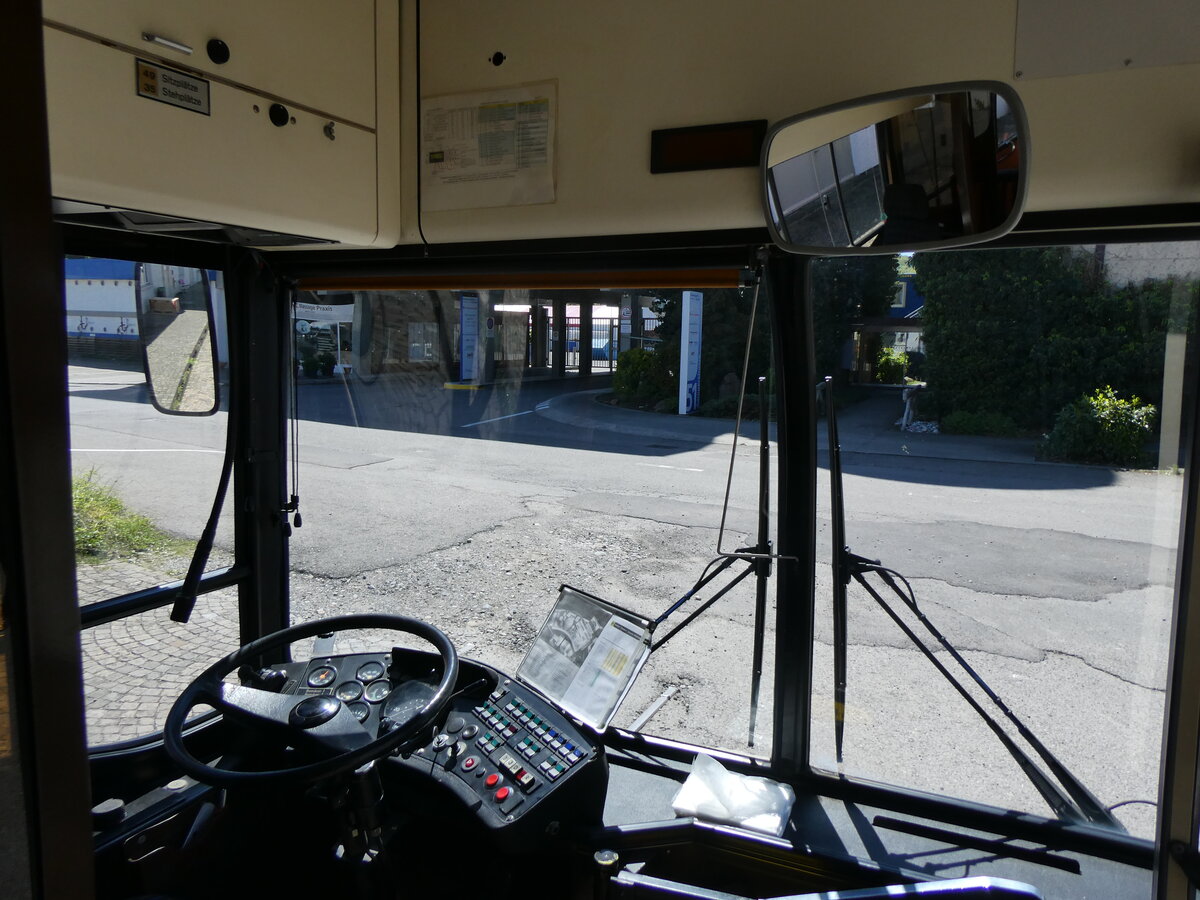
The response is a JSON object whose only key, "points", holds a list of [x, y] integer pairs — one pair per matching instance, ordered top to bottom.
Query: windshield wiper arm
{"points": [[1078, 804]]}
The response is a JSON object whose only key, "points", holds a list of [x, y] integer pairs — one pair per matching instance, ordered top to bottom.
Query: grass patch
{"points": [[106, 529]]}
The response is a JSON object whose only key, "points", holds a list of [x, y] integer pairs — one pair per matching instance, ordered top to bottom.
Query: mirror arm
{"points": [[186, 601]]}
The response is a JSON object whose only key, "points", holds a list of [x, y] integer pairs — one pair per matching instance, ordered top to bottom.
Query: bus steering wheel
{"points": [[312, 721]]}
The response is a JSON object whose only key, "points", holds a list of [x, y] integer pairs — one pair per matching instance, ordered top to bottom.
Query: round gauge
{"points": [[370, 671], [322, 676], [377, 690], [348, 691], [406, 701], [360, 710]]}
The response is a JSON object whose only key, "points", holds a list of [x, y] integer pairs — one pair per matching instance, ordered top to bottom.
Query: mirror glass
{"points": [[929, 168], [175, 326]]}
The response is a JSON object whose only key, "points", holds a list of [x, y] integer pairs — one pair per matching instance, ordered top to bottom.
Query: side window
{"points": [[147, 373], [1012, 444]]}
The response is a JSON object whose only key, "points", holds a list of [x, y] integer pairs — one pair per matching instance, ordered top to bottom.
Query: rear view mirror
{"points": [[940, 166], [175, 325]]}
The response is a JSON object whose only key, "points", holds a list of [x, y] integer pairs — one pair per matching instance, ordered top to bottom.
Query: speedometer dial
{"points": [[406, 701]]}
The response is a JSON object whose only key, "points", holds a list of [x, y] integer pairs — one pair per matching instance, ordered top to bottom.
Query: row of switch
{"points": [[490, 714], [555, 739]]}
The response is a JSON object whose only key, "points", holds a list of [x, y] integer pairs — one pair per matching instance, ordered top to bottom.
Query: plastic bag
{"points": [[714, 793]]}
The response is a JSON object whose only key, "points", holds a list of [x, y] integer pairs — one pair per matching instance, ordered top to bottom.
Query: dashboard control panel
{"points": [[501, 747]]}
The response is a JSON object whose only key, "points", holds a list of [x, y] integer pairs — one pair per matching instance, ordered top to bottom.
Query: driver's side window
{"points": [[147, 383]]}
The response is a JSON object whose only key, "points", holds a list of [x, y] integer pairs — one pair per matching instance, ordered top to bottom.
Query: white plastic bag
{"points": [[714, 793]]}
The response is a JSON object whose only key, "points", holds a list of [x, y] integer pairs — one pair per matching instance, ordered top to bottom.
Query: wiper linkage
{"points": [[1081, 805]]}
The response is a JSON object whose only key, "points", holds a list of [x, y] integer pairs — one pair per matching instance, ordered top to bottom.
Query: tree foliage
{"points": [[846, 289], [724, 324], [1023, 333]]}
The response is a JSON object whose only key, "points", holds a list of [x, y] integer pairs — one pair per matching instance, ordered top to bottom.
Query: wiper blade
{"points": [[841, 572], [1087, 802], [1078, 804]]}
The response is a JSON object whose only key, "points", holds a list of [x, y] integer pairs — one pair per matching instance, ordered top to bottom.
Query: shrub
{"points": [[890, 366], [642, 377], [990, 423], [1101, 428]]}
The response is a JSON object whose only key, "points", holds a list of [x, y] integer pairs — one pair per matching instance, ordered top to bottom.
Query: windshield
{"points": [[1011, 425], [463, 454]]}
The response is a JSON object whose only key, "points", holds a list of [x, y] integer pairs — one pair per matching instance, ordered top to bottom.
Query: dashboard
{"points": [[501, 748]]}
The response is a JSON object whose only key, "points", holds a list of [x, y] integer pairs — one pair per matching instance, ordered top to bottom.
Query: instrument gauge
{"points": [[370, 672], [322, 676], [377, 690], [348, 691], [406, 701], [360, 710]]}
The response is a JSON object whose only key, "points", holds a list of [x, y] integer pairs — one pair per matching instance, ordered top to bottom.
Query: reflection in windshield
{"points": [[472, 451]]}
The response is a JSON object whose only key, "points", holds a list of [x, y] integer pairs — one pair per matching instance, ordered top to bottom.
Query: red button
{"points": [[469, 763], [492, 780], [502, 794]]}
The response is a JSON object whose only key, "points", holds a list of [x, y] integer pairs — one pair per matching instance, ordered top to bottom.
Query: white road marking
{"points": [[497, 419], [143, 450], [677, 468], [653, 708]]}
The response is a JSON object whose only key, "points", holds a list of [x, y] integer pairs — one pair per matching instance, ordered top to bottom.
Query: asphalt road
{"points": [[469, 509]]}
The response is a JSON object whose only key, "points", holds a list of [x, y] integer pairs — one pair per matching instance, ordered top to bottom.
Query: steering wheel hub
{"points": [[312, 711]]}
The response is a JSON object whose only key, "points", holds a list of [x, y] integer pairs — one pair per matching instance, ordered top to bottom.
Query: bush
{"points": [[890, 366], [643, 377], [993, 424], [1101, 428]]}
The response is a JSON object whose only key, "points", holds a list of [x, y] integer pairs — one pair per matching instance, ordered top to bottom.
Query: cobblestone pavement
{"points": [[134, 668]]}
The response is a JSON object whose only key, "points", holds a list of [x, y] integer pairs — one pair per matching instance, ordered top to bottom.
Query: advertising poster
{"points": [[692, 308], [468, 339]]}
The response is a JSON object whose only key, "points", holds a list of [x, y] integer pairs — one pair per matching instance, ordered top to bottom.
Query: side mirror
{"points": [[939, 166], [178, 338]]}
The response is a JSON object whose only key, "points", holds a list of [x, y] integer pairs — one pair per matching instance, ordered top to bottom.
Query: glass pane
{"points": [[860, 177], [813, 212], [1013, 448], [469, 455], [143, 481], [133, 669]]}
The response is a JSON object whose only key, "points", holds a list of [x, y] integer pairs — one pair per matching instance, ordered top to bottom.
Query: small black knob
{"points": [[218, 51], [279, 114], [108, 813]]}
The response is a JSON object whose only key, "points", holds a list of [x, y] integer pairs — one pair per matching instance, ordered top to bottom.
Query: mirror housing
{"points": [[931, 167], [178, 339]]}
